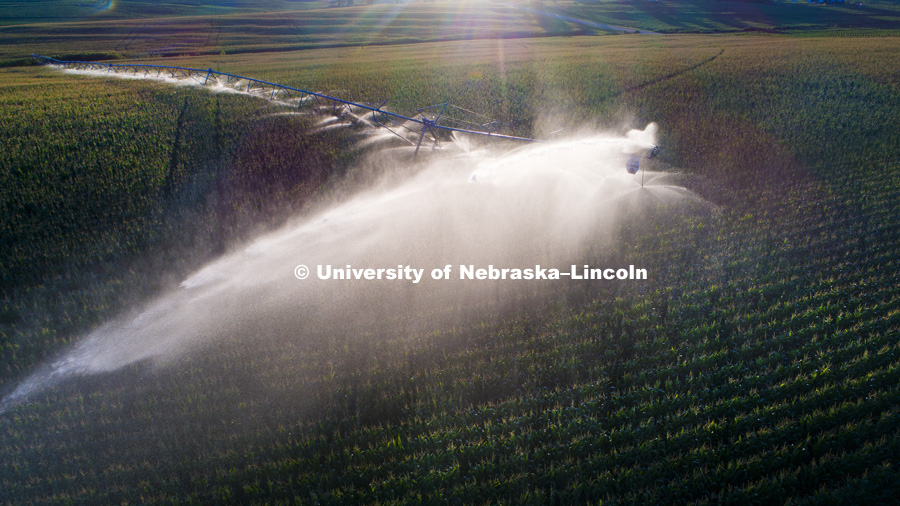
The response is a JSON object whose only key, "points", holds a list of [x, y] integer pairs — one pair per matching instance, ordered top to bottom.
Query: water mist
{"points": [[548, 204]]}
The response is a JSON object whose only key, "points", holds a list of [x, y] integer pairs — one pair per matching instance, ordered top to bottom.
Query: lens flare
{"points": [[106, 6]]}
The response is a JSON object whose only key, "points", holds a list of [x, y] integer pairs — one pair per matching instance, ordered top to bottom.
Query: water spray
{"points": [[431, 120], [425, 124], [545, 205]]}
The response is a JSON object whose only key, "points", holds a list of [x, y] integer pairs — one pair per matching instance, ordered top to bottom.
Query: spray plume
{"points": [[547, 204]]}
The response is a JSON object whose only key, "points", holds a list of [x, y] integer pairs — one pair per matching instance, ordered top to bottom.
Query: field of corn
{"points": [[74, 30], [217, 31], [759, 365]]}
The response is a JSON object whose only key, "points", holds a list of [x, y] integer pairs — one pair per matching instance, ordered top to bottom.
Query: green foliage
{"points": [[44, 11], [699, 16], [266, 31], [103, 186], [760, 364]]}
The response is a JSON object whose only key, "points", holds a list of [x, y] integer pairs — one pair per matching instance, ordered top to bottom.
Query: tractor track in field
{"points": [[126, 41], [671, 75], [172, 172]]}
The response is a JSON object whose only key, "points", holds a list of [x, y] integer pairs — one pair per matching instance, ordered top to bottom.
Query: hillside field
{"points": [[140, 29], [760, 363]]}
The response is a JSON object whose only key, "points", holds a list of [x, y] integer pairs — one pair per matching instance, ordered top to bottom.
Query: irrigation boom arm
{"points": [[205, 75]]}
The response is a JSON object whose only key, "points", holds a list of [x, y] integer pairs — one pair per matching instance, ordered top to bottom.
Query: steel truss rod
{"points": [[265, 88]]}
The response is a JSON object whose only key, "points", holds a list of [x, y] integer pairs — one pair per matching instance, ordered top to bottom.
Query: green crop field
{"points": [[17, 12], [694, 16], [140, 29], [214, 33], [759, 364]]}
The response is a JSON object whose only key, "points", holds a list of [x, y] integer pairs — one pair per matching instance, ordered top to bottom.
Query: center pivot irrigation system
{"points": [[428, 118], [427, 121]]}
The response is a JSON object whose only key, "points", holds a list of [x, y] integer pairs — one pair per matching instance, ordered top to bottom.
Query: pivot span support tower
{"points": [[428, 119]]}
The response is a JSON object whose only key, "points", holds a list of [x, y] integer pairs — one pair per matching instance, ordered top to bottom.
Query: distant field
{"points": [[52, 11], [674, 16], [140, 29], [279, 31], [760, 365]]}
